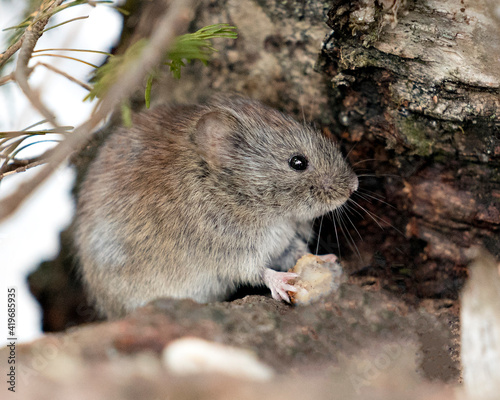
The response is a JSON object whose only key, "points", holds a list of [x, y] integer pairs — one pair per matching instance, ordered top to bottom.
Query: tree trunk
{"points": [[423, 77]]}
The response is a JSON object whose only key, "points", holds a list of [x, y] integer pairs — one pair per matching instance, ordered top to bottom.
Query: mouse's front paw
{"points": [[278, 283]]}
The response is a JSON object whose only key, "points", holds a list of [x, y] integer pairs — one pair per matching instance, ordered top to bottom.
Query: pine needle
{"points": [[65, 22], [197, 46], [188, 47], [66, 57], [105, 76]]}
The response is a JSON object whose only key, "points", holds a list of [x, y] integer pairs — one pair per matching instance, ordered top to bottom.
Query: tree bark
{"points": [[423, 77]]}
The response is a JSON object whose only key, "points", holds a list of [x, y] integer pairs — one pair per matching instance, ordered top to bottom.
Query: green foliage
{"points": [[197, 46], [188, 47], [106, 75], [147, 93], [126, 114]]}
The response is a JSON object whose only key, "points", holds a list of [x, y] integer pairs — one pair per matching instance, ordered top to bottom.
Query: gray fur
{"points": [[193, 201]]}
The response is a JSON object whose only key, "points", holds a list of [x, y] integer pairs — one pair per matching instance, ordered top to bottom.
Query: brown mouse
{"points": [[193, 201]]}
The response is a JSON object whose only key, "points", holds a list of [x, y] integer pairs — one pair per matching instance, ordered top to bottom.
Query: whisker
{"points": [[352, 148], [362, 161], [378, 175], [365, 190], [363, 196], [366, 196], [353, 210], [334, 214], [375, 217], [350, 220], [311, 233], [319, 235], [348, 235]]}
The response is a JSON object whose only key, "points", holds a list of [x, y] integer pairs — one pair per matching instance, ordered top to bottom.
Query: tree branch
{"points": [[7, 54], [22, 72], [67, 76], [7, 78], [22, 168]]}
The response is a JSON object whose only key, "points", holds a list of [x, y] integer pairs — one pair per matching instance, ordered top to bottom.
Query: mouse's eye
{"points": [[298, 162]]}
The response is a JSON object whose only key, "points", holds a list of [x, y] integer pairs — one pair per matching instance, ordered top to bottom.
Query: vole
{"points": [[193, 201]]}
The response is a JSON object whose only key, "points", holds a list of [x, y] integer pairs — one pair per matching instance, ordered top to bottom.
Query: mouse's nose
{"points": [[354, 184]]}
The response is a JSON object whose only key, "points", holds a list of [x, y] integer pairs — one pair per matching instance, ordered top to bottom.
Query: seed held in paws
{"points": [[317, 277]]}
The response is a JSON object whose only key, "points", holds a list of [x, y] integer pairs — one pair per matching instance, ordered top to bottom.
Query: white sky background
{"points": [[32, 234]]}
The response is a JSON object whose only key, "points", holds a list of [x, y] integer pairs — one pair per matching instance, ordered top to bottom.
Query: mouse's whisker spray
{"points": [[369, 196], [346, 209], [333, 216], [342, 216], [375, 218], [378, 220], [319, 235]]}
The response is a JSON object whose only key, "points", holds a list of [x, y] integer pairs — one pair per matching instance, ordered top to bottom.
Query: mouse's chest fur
{"points": [[277, 239], [255, 250]]}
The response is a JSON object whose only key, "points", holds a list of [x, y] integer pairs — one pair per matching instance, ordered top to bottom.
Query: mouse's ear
{"points": [[213, 135]]}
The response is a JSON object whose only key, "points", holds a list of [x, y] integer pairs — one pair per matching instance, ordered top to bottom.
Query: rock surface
{"points": [[353, 342]]}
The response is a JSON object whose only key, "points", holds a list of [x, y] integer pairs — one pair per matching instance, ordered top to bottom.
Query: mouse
{"points": [[194, 201]]}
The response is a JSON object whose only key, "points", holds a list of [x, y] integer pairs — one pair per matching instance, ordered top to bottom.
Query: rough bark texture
{"points": [[274, 58], [424, 79]]}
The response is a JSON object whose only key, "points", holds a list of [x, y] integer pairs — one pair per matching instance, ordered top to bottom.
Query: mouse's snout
{"points": [[354, 184], [339, 187]]}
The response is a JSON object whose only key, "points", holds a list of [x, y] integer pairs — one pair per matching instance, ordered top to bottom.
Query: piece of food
{"points": [[318, 276]]}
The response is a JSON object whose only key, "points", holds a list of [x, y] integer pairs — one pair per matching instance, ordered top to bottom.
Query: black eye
{"points": [[298, 162]]}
